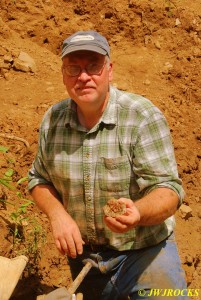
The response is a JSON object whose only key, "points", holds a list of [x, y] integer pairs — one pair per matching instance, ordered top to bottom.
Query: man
{"points": [[102, 143]]}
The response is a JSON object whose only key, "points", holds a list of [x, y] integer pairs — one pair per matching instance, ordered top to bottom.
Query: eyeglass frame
{"points": [[64, 68]]}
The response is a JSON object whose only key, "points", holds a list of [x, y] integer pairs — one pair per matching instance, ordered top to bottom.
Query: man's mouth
{"points": [[85, 88]]}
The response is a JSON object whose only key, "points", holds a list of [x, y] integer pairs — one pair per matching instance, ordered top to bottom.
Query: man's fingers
{"points": [[128, 202], [127, 220], [114, 225], [67, 236], [78, 242], [58, 245], [73, 245], [66, 247], [79, 247], [72, 251]]}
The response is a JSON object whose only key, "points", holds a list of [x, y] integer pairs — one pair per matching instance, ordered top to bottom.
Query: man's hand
{"points": [[154, 208], [125, 222], [65, 231], [66, 234]]}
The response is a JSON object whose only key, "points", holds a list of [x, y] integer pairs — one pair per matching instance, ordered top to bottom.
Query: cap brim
{"points": [[92, 48]]}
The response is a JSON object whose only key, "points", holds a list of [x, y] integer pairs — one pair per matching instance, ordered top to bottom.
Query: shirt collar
{"points": [[109, 116]]}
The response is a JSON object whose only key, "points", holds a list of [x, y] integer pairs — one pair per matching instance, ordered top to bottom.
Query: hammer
{"points": [[66, 294]]}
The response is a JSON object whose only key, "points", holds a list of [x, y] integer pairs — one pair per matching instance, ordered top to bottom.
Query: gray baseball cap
{"points": [[86, 40]]}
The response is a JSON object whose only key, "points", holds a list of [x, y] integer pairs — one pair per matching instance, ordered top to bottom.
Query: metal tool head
{"points": [[59, 294]]}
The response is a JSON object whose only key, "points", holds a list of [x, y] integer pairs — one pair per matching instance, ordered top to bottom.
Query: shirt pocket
{"points": [[114, 174]]}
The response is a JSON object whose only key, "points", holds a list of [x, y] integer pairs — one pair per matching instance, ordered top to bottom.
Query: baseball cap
{"points": [[86, 40]]}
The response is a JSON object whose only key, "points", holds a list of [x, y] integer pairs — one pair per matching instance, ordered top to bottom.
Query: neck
{"points": [[89, 116]]}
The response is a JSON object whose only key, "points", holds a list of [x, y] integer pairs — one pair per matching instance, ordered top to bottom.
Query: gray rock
{"points": [[25, 63], [185, 211]]}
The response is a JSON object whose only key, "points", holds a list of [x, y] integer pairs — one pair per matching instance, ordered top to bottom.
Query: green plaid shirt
{"points": [[126, 154]]}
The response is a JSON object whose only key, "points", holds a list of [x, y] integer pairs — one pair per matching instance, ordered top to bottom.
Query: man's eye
{"points": [[94, 67], [73, 68]]}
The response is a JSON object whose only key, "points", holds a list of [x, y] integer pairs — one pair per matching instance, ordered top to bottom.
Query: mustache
{"points": [[84, 86]]}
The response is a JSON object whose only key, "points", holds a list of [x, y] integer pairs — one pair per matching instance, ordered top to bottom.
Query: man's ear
{"points": [[110, 72], [63, 74]]}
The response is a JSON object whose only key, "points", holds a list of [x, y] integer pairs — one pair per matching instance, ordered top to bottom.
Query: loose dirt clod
{"points": [[114, 208]]}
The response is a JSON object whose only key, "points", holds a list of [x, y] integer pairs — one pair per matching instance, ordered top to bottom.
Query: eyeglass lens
{"points": [[91, 69]]}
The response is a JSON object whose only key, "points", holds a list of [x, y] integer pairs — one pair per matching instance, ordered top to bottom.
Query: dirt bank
{"points": [[156, 52]]}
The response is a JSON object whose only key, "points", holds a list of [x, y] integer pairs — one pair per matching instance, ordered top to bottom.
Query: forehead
{"points": [[83, 55]]}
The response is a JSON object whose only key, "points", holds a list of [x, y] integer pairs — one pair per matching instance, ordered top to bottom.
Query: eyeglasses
{"points": [[91, 69]]}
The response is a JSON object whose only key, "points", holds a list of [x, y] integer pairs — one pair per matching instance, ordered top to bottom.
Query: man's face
{"points": [[86, 87]]}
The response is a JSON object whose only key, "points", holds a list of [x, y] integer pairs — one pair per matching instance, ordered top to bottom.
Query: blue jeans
{"points": [[150, 273]]}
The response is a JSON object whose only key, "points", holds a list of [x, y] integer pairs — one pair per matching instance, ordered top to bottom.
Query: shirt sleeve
{"points": [[154, 159], [38, 173]]}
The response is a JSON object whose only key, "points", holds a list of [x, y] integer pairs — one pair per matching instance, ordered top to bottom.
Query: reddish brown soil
{"points": [[156, 52]]}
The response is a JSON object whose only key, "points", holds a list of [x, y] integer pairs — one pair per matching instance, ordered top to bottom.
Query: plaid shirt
{"points": [[126, 154]]}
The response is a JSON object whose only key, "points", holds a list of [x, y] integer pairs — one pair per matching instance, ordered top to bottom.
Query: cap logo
{"points": [[79, 38]]}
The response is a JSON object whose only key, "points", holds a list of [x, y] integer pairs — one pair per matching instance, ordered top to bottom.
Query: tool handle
{"points": [[79, 278]]}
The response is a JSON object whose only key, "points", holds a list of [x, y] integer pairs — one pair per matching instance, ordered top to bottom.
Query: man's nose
{"points": [[84, 75]]}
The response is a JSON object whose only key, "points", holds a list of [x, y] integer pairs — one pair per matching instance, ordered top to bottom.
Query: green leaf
{"points": [[4, 149], [11, 160], [9, 173], [22, 180], [6, 183], [19, 194], [6, 202], [28, 202], [22, 209], [14, 215]]}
